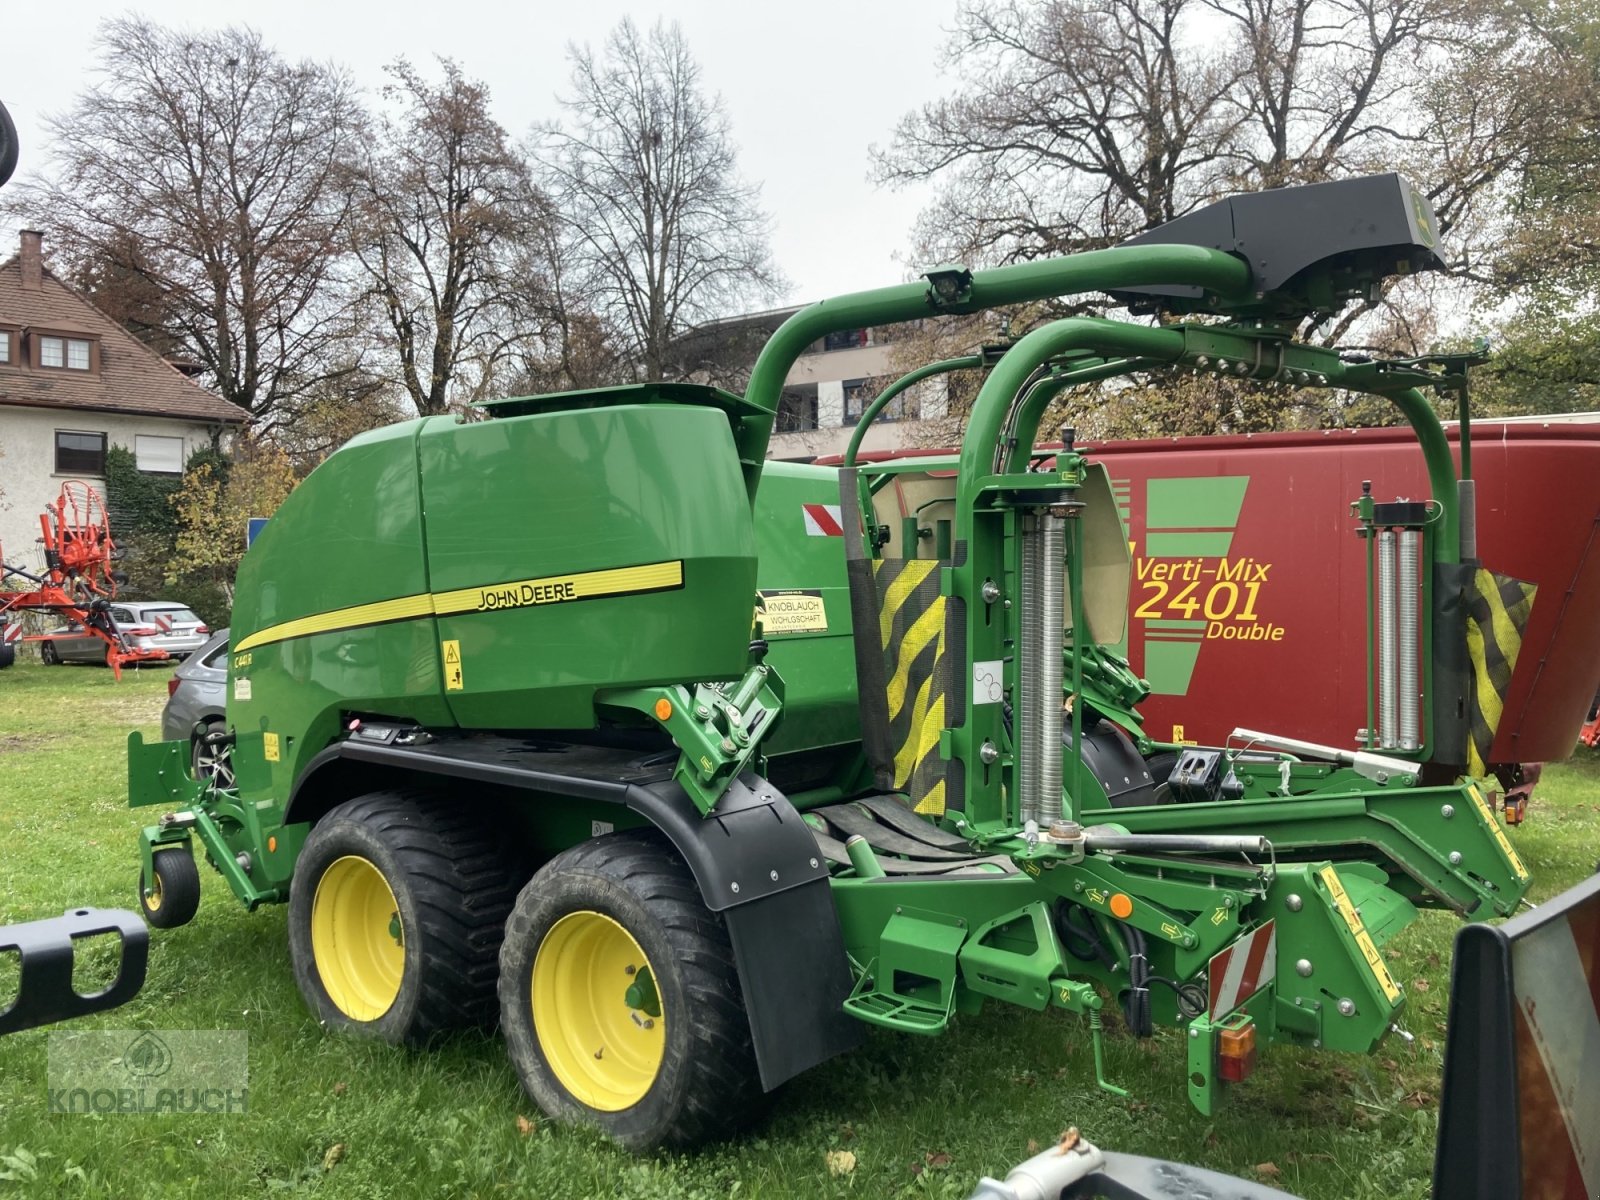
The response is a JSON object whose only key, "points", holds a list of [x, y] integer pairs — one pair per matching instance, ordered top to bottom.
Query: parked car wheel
{"points": [[48, 654], [210, 762]]}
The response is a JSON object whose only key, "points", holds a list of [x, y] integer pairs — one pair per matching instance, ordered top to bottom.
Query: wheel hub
{"points": [[357, 938], [597, 1011]]}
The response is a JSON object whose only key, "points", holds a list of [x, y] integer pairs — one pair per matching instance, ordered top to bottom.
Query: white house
{"points": [[74, 383], [826, 390]]}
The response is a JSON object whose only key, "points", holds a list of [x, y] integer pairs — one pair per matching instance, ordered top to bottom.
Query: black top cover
{"points": [[1310, 248]]}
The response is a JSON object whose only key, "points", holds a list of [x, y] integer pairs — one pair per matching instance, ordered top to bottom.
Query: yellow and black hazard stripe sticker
{"points": [[494, 597], [1498, 608], [911, 627], [1487, 814], [1369, 948]]}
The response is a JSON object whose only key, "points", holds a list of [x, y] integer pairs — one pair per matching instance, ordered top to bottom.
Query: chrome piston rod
{"points": [[1052, 620], [1409, 632], [1028, 662], [1388, 684], [1376, 767], [1175, 843]]}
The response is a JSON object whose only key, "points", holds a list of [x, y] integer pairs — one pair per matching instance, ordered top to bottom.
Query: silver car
{"points": [[144, 625], [197, 695]]}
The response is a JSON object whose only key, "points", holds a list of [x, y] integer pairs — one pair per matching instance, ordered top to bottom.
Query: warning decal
{"points": [[823, 520], [1498, 608], [796, 611], [911, 623], [452, 665], [269, 747], [1499, 834], [1369, 951], [1242, 970]]}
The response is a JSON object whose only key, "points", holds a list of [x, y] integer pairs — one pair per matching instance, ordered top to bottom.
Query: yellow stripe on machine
{"points": [[519, 593], [403, 609], [1487, 814], [1369, 949]]}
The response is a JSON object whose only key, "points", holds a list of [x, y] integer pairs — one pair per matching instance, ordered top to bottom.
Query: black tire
{"points": [[48, 654], [8, 655], [206, 761], [452, 885], [172, 896], [706, 1085]]}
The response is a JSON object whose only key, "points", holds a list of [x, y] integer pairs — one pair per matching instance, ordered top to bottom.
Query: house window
{"points": [[845, 339], [5, 345], [66, 353], [859, 393], [856, 398], [797, 410], [80, 453], [159, 455]]}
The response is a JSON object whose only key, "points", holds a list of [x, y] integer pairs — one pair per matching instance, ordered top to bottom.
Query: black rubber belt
{"points": [[896, 815], [853, 820], [834, 851]]}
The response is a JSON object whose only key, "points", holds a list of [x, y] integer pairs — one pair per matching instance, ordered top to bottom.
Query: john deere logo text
{"points": [[523, 594]]}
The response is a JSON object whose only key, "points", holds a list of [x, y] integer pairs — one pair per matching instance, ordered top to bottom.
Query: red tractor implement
{"points": [[77, 583]]}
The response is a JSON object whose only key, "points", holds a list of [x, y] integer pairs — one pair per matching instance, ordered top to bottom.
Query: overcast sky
{"points": [[808, 86]]}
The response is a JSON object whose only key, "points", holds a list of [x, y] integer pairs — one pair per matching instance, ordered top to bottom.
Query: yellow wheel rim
{"points": [[153, 900], [356, 938], [597, 1012]]}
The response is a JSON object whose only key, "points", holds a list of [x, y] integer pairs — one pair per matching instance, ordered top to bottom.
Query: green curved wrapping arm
{"points": [[1096, 270], [898, 386], [985, 425], [1441, 467]]}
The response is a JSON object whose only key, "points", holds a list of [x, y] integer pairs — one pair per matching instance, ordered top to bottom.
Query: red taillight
{"points": [[201, 629], [142, 631], [172, 685], [1236, 1053]]}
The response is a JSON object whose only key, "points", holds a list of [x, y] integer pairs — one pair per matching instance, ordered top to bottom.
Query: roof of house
{"points": [[132, 379]]}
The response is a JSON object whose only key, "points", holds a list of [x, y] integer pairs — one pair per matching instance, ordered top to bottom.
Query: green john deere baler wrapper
{"points": [[564, 719]]}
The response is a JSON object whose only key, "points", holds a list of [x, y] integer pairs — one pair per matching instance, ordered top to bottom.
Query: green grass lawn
{"points": [[922, 1117]]}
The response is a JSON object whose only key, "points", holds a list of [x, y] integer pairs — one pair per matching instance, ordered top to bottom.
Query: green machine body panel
{"points": [[645, 504], [349, 539], [806, 599]]}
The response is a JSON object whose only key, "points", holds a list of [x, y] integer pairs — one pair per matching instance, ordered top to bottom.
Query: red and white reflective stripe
{"points": [[822, 520], [163, 622], [11, 632], [1243, 969], [1556, 972]]}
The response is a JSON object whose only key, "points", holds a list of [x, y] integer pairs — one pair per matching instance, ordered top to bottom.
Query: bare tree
{"points": [[1081, 122], [1076, 123], [203, 165], [444, 216], [658, 226]]}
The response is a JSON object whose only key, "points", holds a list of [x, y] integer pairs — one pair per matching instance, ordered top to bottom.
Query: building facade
{"points": [[73, 384], [826, 391]]}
